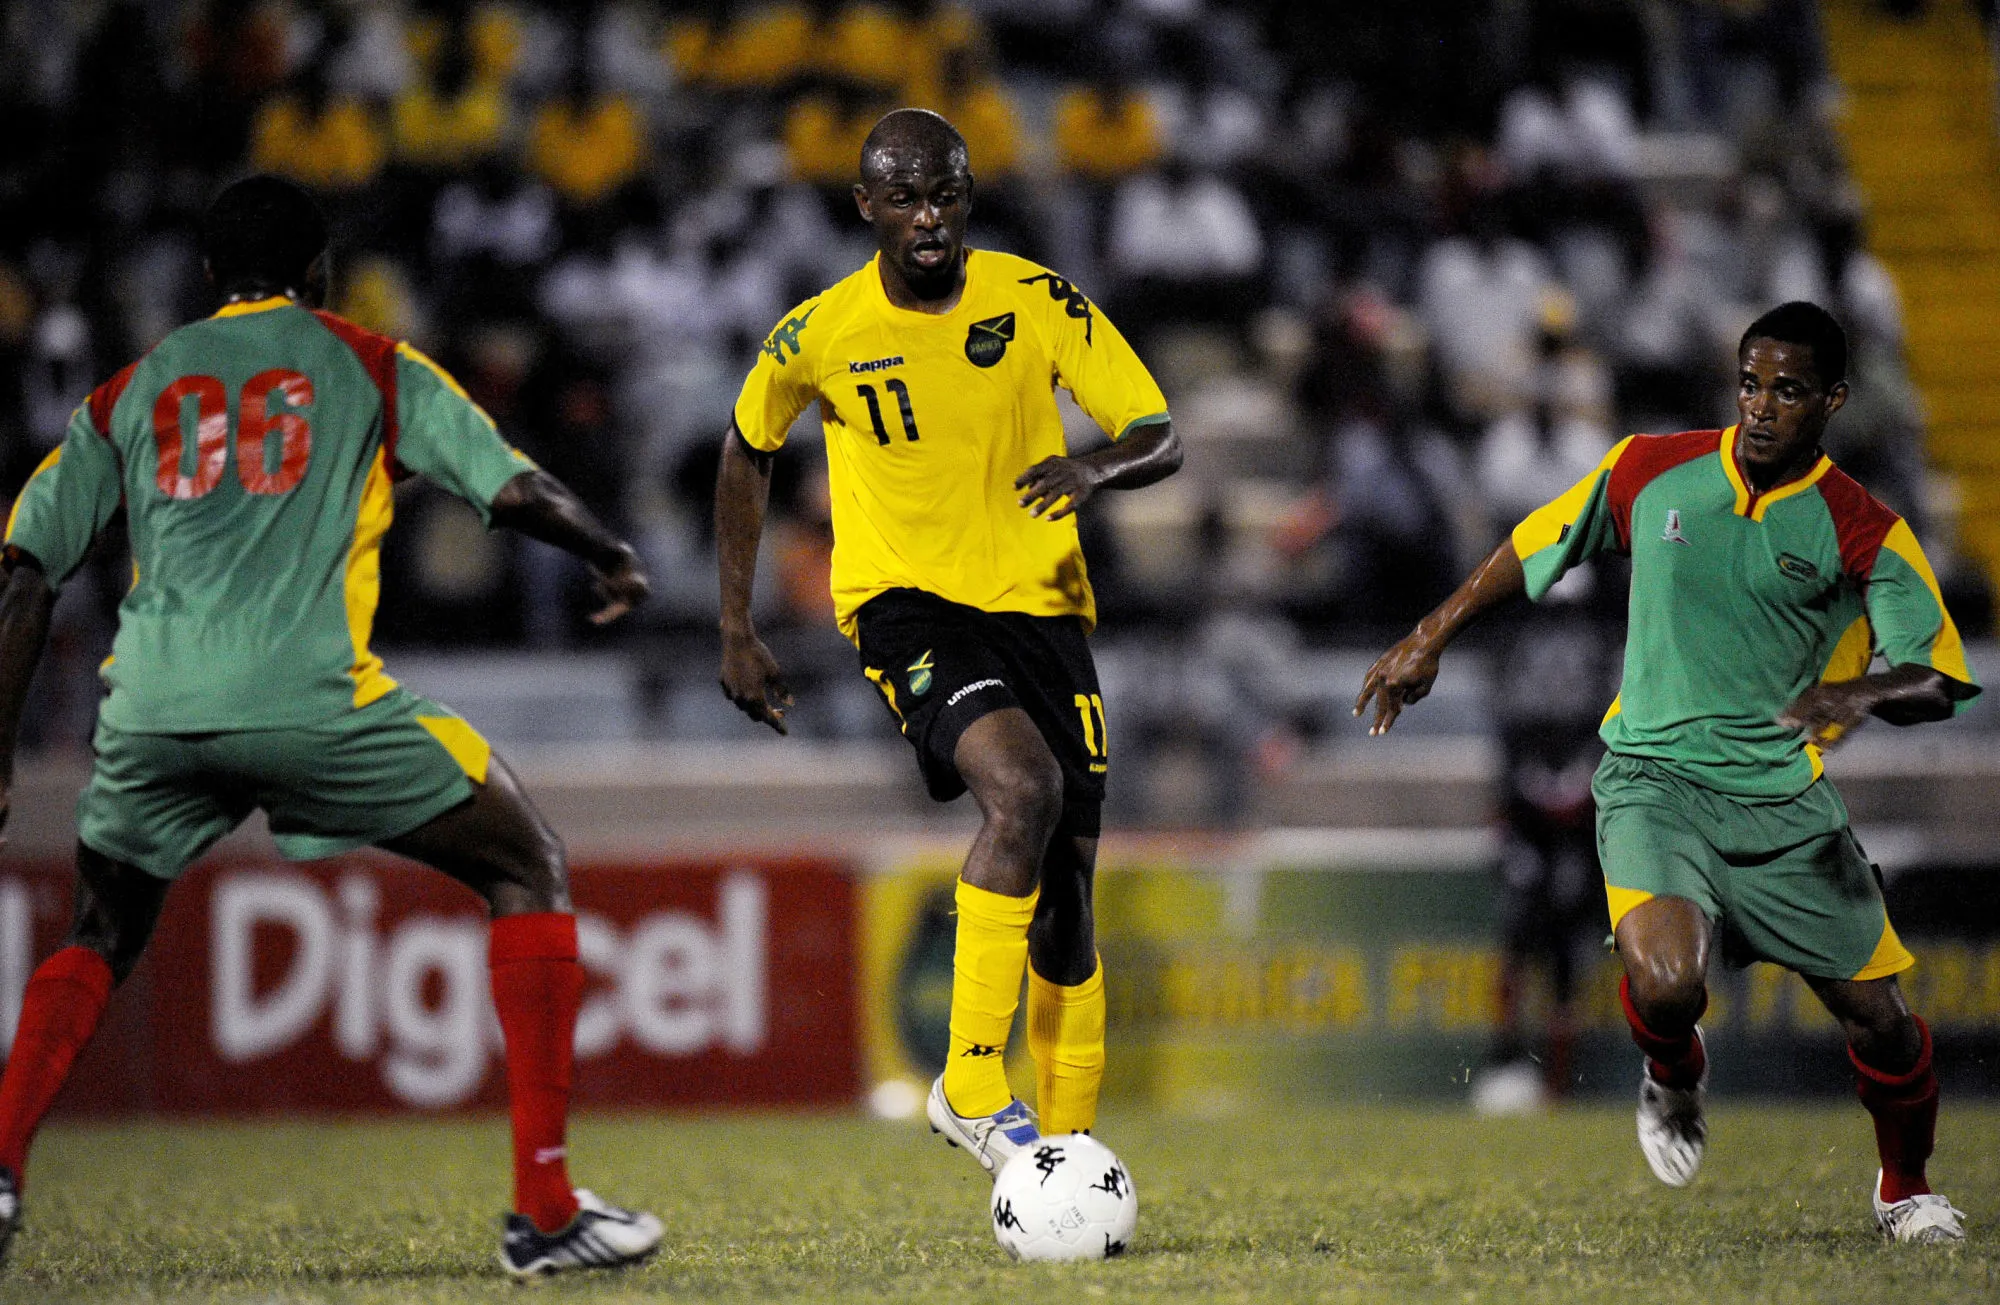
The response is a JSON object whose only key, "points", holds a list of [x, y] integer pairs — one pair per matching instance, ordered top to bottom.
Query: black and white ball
{"points": [[1064, 1198]]}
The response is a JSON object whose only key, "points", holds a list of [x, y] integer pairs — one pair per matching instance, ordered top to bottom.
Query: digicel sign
{"points": [[361, 984]]}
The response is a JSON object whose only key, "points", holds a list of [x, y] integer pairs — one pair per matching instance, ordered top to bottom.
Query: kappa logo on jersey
{"points": [[1072, 299], [787, 334], [986, 342], [873, 364], [1672, 534], [1797, 567], [920, 674]]}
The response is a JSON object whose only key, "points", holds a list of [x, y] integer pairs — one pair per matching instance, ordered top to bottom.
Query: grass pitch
{"points": [[1345, 1204]]}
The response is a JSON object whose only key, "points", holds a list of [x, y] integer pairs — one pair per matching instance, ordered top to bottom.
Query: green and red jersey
{"points": [[254, 453], [1741, 601]]}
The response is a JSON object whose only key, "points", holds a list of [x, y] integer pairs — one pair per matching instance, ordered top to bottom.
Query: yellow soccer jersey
{"points": [[929, 418]]}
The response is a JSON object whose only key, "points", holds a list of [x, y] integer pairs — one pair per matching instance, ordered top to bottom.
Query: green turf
{"points": [[1340, 1204]]}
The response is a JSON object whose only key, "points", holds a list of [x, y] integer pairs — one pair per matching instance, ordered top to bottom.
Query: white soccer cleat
{"points": [[1673, 1132], [991, 1139], [1925, 1220], [602, 1236]]}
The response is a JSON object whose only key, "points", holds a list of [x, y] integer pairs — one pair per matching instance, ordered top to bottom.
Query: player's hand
{"points": [[1056, 487], [622, 587], [1399, 677], [751, 679], [1827, 713]]}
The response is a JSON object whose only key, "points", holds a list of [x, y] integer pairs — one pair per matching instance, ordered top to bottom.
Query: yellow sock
{"points": [[986, 965], [1066, 1038]]}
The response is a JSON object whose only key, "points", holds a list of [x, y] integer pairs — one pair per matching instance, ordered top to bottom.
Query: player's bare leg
{"points": [[1018, 785], [498, 845], [117, 906], [1664, 944], [1066, 990], [1891, 1050]]}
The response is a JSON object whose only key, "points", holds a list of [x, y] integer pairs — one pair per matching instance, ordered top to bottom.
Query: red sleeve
{"points": [[377, 354], [105, 397], [1646, 458], [1860, 521]]}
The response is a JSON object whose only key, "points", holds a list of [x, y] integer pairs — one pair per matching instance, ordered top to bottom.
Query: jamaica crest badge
{"points": [[986, 342]]}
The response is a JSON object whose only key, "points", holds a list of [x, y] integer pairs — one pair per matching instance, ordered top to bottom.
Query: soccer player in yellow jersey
{"points": [[957, 574]]}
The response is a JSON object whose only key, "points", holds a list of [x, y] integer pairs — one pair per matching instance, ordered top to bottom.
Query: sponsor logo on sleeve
{"points": [[1069, 296], [787, 335], [1672, 534]]}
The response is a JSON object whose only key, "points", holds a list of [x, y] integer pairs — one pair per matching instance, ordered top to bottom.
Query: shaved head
{"points": [[913, 141]]}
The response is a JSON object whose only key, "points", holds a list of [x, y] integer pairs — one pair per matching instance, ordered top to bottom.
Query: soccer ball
{"points": [[1064, 1198]]}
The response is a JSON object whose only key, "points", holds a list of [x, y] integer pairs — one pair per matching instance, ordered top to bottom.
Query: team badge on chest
{"points": [[986, 342]]}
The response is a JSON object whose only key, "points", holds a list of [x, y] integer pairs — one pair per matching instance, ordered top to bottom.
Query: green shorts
{"points": [[158, 801], [1783, 879]]}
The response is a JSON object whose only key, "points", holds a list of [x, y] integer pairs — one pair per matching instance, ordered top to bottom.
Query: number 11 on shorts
{"points": [[1096, 735]]}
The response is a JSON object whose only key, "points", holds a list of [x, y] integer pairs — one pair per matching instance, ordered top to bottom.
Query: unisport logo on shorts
{"points": [[920, 674], [970, 689]]}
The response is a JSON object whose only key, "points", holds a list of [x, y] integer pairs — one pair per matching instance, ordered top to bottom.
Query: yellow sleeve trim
{"points": [[404, 349], [55, 456], [1545, 525], [1947, 649], [467, 746], [1622, 900], [1890, 957]]}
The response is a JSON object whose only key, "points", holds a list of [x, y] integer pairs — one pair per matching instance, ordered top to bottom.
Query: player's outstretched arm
{"points": [[1056, 487], [542, 507], [25, 603], [1405, 673], [750, 675], [1901, 695]]}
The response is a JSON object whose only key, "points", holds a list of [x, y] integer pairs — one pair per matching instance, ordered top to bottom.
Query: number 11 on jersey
{"points": [[902, 393]]}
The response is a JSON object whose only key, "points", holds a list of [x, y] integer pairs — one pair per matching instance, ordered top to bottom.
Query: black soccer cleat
{"points": [[602, 1236]]}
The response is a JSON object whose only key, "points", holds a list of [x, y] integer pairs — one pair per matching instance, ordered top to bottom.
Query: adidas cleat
{"points": [[1673, 1132], [992, 1139], [10, 1209], [1927, 1220], [602, 1236]]}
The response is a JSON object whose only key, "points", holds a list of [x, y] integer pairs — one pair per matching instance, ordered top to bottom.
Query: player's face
{"points": [[918, 205], [1782, 405]]}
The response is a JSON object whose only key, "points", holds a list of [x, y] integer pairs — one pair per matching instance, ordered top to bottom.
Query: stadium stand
{"points": [[1403, 271]]}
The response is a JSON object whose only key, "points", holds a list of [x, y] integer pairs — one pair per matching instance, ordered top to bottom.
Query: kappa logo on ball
{"points": [[986, 342]]}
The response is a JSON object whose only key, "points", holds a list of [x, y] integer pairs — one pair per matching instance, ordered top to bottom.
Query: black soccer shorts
{"points": [[942, 665]]}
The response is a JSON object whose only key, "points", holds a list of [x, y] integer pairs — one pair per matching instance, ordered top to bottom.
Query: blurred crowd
{"points": [[1404, 270]]}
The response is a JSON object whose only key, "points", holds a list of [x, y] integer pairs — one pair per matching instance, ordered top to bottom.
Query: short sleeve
{"points": [[1095, 363], [782, 383], [444, 436], [70, 498], [1571, 530], [1908, 616]]}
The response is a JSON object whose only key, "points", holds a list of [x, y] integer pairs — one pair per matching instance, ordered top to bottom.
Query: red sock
{"points": [[537, 985], [59, 1012], [1676, 1062], [1905, 1107]]}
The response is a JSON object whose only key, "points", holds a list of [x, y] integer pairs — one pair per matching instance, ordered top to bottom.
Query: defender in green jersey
{"points": [[253, 453], [1765, 583]]}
